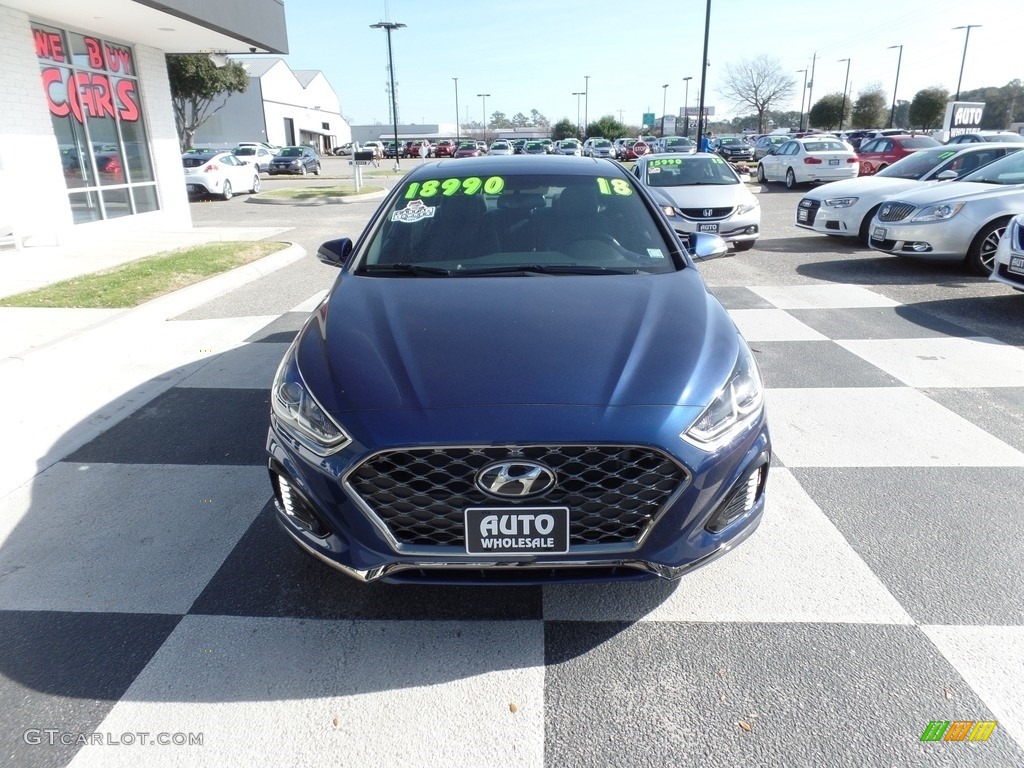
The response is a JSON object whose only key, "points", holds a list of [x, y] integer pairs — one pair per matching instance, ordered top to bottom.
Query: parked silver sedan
{"points": [[702, 193], [962, 221]]}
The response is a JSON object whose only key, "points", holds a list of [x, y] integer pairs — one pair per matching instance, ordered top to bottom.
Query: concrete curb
{"points": [[326, 200]]}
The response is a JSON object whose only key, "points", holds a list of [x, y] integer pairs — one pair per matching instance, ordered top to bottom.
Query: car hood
{"points": [[867, 185], [960, 190], [705, 195], [387, 343]]}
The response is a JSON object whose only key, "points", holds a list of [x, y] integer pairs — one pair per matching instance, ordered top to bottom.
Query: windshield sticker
{"points": [[944, 155], [718, 160], [665, 161], [653, 169], [448, 187], [614, 187], [414, 211], [655, 253]]}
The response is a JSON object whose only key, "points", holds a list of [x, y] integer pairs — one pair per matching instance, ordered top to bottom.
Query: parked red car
{"points": [[444, 148], [468, 149], [879, 153]]}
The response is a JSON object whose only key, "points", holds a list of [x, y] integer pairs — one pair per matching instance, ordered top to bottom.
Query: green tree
{"points": [[757, 83], [196, 84], [1003, 105], [927, 108], [870, 110], [828, 112], [902, 117], [499, 120], [538, 120], [608, 127], [564, 129]]}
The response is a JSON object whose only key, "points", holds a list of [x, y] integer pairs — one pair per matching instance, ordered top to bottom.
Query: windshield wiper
{"points": [[406, 269], [548, 269]]}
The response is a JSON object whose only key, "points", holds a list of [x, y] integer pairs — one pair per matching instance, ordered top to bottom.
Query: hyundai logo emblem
{"points": [[515, 479]]}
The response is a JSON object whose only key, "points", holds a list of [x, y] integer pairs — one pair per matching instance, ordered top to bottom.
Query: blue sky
{"points": [[534, 54]]}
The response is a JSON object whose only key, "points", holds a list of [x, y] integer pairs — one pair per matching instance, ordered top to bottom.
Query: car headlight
{"points": [[840, 202], [748, 207], [939, 212], [295, 407], [733, 409]]}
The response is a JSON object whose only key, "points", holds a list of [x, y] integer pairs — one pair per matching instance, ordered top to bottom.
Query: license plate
{"points": [[833, 162], [801, 214], [707, 228], [878, 233], [1016, 265], [517, 530]]}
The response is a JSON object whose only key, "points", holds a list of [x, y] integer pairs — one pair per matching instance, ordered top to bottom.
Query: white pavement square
{"points": [[824, 296], [944, 362]]}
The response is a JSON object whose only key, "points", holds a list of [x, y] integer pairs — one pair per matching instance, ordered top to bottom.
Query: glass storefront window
{"points": [[93, 94]]}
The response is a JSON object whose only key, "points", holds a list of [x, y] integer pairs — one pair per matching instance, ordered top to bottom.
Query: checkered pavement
{"points": [[146, 592]]}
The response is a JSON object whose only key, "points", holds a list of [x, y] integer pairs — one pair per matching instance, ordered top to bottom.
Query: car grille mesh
{"points": [[895, 211], [706, 213], [613, 492]]}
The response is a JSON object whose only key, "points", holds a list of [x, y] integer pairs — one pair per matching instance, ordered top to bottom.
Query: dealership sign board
{"points": [[962, 117]]}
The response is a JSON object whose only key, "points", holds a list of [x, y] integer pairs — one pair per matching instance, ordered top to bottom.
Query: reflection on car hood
{"points": [[866, 185], [960, 190], [706, 195], [620, 340]]}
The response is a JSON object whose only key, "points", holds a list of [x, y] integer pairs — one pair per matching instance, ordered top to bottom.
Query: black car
{"points": [[733, 148], [300, 160]]}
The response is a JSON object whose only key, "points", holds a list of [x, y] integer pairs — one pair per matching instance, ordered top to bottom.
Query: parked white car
{"points": [[501, 147], [808, 160], [218, 173], [845, 208], [1008, 266]]}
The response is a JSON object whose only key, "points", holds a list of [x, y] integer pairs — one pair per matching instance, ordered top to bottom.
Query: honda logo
{"points": [[709, 212], [515, 479]]}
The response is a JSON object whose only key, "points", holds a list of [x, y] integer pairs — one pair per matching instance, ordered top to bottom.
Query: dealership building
{"points": [[88, 144]]}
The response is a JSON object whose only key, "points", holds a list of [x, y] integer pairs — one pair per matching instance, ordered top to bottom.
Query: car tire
{"points": [[302, 170], [316, 171], [761, 178], [790, 179], [255, 184], [226, 192], [864, 233], [743, 246], [982, 253]]}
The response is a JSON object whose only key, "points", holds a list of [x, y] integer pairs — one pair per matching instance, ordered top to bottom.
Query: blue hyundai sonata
{"points": [[518, 377]]}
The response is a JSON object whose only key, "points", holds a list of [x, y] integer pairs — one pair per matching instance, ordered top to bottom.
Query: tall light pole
{"points": [[387, 26], [967, 37], [704, 71], [810, 90], [577, 94], [802, 94], [484, 97], [586, 101], [664, 102], [686, 107], [456, 110], [892, 112], [842, 115]]}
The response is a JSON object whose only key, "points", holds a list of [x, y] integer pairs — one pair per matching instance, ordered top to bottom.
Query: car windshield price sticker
{"points": [[449, 187], [517, 530]]}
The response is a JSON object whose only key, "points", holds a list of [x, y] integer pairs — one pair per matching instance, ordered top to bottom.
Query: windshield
{"points": [[919, 142], [825, 146], [291, 152], [916, 165], [1005, 170], [689, 171], [515, 225]]}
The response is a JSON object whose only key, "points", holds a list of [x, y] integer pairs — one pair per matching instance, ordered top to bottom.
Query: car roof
{"points": [[519, 165]]}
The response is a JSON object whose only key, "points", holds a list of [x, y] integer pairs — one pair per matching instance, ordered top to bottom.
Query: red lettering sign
{"points": [[49, 45], [95, 52], [119, 59], [90, 94], [127, 107]]}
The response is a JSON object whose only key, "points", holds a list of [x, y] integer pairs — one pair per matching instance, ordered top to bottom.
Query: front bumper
{"points": [[828, 220], [738, 228], [940, 240], [1009, 259], [691, 529]]}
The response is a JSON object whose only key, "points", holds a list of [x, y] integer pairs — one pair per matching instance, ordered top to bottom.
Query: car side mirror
{"points": [[770, 151], [946, 175], [704, 246], [335, 253]]}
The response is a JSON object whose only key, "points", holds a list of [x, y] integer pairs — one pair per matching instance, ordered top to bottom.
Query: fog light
{"points": [[917, 247], [744, 496], [296, 507]]}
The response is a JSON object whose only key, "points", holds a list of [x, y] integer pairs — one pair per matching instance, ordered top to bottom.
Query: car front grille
{"points": [[809, 207], [895, 211], [706, 213], [614, 493]]}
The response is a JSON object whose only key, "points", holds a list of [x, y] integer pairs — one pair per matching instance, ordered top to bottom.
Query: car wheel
{"points": [[302, 170], [316, 170], [761, 178], [790, 179], [255, 184], [226, 192], [864, 233], [743, 246], [982, 253]]}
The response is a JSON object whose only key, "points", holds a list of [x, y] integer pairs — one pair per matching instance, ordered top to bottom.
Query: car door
{"points": [[867, 154], [778, 162], [239, 174]]}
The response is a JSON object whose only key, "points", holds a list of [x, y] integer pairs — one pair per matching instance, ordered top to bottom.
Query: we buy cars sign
{"points": [[963, 117]]}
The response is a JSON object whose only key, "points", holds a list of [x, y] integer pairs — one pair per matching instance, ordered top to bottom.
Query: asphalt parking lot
{"points": [[145, 588]]}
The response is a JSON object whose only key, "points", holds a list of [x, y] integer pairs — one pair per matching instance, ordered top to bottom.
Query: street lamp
{"points": [[387, 26], [967, 37], [704, 72], [578, 94], [802, 94], [484, 97], [586, 100], [664, 101], [686, 107], [456, 110], [892, 112], [842, 115]]}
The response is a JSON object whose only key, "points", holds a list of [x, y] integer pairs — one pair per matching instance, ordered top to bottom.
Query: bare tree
{"points": [[196, 84], [757, 84]]}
